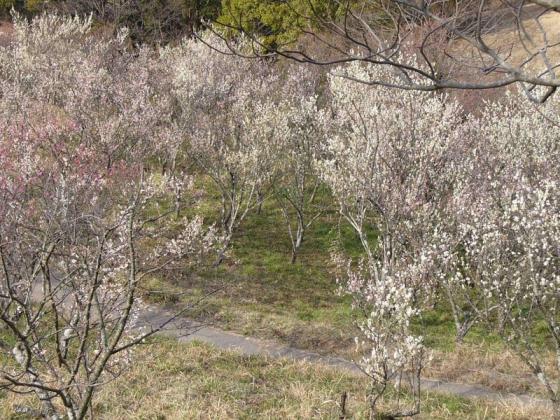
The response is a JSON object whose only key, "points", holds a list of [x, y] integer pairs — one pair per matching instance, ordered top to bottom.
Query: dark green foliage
{"points": [[25, 7], [147, 20], [160, 20], [276, 22]]}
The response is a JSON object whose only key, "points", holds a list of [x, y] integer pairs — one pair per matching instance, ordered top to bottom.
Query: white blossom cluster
{"points": [[506, 213]]}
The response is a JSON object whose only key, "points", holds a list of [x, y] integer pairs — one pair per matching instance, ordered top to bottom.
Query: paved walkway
{"points": [[186, 330]]}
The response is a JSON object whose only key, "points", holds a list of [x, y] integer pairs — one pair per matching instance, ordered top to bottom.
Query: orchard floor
{"points": [[258, 293], [173, 380]]}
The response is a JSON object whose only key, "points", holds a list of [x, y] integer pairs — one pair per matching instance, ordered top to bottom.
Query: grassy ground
{"points": [[258, 292], [261, 293], [170, 380]]}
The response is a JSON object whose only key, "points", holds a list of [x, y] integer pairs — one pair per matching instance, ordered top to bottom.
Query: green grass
{"points": [[261, 293]]}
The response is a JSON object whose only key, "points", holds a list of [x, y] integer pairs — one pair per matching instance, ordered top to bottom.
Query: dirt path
{"points": [[186, 331]]}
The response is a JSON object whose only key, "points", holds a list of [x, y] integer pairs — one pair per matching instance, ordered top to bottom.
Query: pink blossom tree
{"points": [[80, 227]]}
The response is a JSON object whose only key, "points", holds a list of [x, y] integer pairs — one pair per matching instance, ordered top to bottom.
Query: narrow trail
{"points": [[186, 331]]}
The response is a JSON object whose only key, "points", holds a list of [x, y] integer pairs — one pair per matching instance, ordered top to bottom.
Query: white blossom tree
{"points": [[228, 118], [388, 162], [297, 183], [508, 223]]}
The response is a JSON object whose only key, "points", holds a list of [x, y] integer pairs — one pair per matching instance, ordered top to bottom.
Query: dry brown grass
{"points": [[509, 40], [518, 48], [498, 370], [170, 380]]}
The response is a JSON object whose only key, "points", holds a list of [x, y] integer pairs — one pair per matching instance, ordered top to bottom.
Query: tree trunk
{"points": [[260, 200], [177, 205], [297, 244], [222, 252], [294, 255], [47, 407]]}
